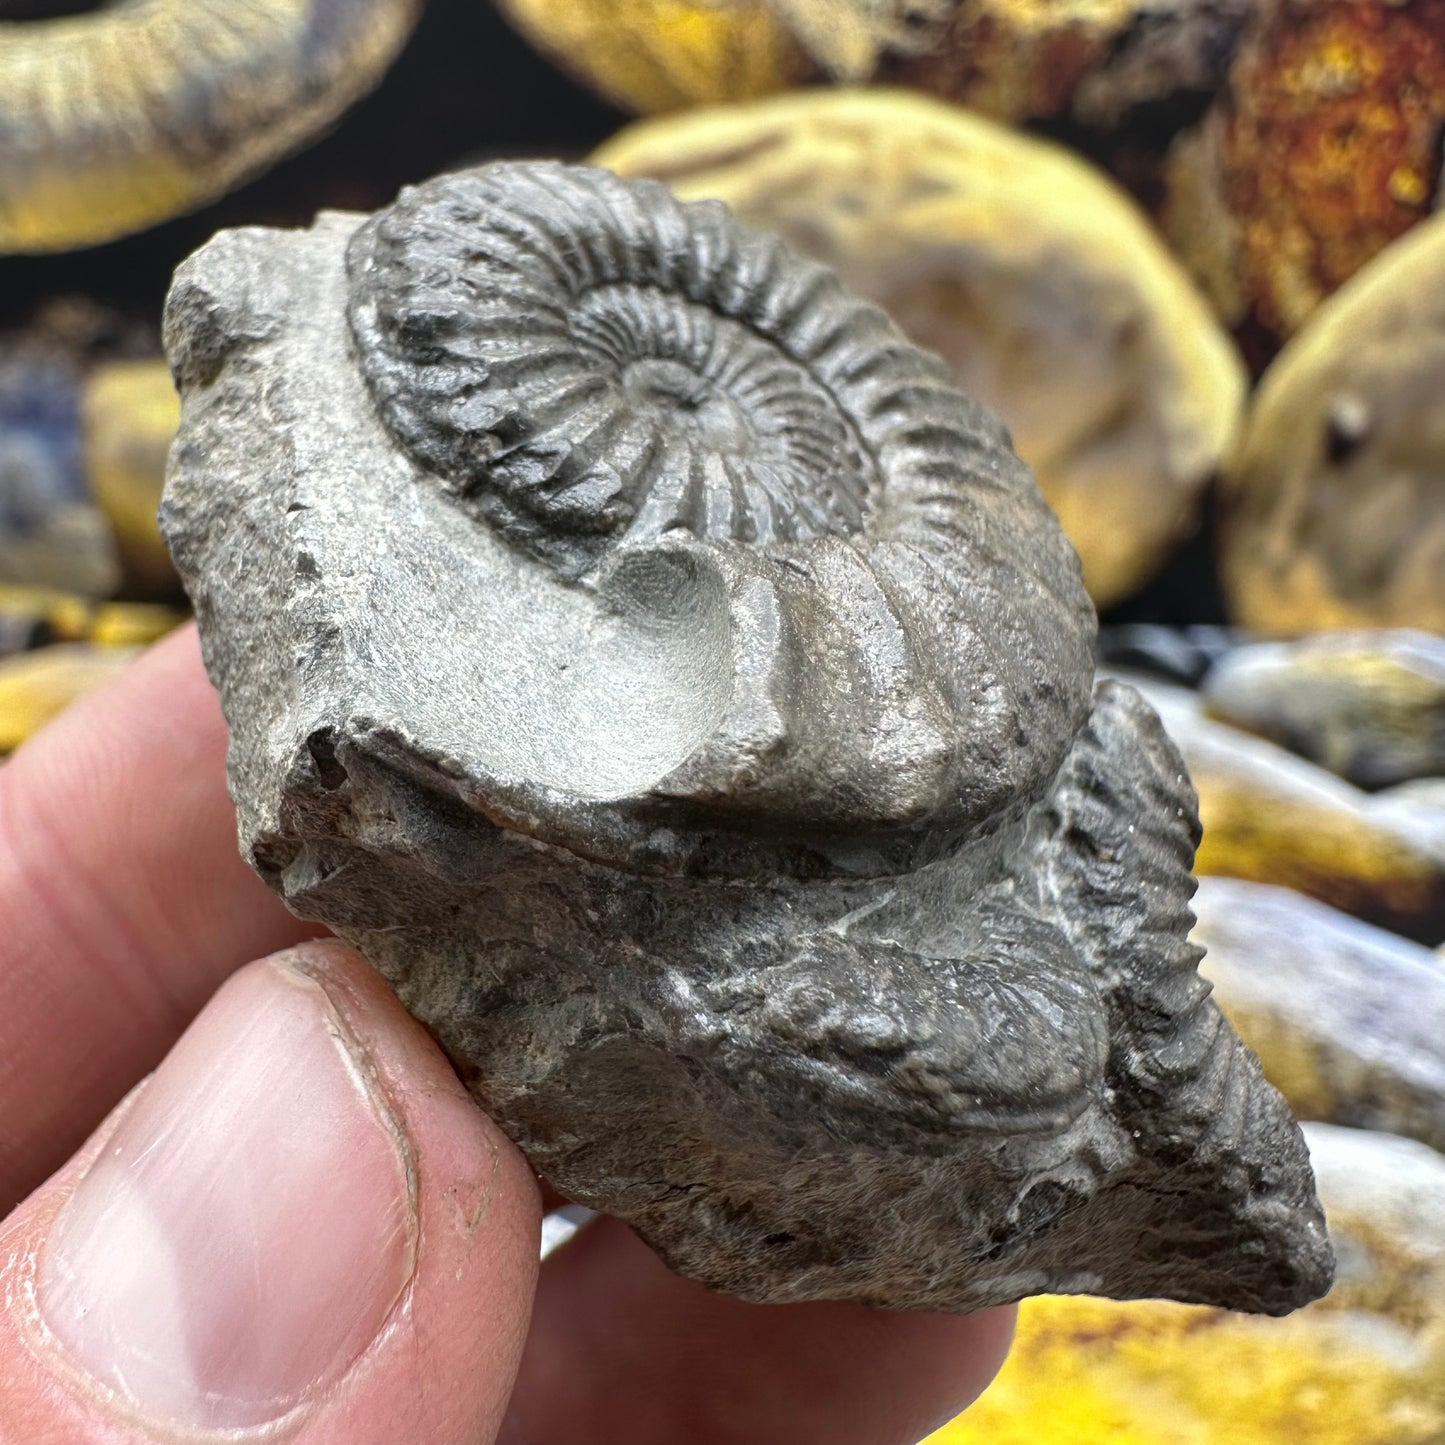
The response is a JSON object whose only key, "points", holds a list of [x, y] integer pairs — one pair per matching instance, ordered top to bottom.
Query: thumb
{"points": [[300, 1228]]}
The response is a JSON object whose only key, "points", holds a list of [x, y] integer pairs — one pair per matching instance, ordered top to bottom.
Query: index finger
{"points": [[123, 901]]}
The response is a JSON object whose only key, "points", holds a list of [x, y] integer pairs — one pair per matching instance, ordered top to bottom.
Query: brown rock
{"points": [[1324, 149]]}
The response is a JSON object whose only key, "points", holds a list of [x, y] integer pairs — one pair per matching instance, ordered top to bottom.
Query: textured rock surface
{"points": [[1038, 281], [1334, 501], [685, 698], [1369, 706], [1272, 817], [1348, 1020], [1364, 1366]]}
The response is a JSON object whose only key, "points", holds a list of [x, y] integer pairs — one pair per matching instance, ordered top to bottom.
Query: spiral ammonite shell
{"points": [[586, 361], [593, 367], [684, 697]]}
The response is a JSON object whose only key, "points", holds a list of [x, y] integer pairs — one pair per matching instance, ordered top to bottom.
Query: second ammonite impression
{"points": [[684, 696]]}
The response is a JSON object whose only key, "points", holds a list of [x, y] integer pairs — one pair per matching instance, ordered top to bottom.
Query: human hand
{"points": [[300, 1228]]}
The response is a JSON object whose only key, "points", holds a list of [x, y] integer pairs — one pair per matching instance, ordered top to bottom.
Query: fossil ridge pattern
{"points": [[684, 697]]}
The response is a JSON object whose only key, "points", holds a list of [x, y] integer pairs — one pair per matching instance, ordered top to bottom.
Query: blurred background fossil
{"points": [[136, 111]]}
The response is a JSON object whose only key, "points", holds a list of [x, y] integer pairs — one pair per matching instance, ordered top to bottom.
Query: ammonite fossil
{"points": [[116, 120], [684, 696]]}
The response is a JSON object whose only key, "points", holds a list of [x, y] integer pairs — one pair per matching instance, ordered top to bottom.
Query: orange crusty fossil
{"points": [[1323, 150]]}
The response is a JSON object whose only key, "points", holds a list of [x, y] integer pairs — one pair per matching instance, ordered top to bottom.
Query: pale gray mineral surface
{"points": [[684, 697]]}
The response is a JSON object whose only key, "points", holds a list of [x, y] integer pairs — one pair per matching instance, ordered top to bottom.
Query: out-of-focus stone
{"points": [[661, 55], [1095, 61], [117, 117], [1323, 149], [1029, 271], [131, 412], [1334, 503], [50, 535], [54, 616], [61, 616], [130, 624], [19, 632], [1176, 654], [35, 686], [1369, 706], [1421, 803], [1273, 817], [1348, 1020], [1363, 1366]]}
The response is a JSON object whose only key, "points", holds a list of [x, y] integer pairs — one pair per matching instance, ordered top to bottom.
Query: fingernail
{"points": [[248, 1228]]}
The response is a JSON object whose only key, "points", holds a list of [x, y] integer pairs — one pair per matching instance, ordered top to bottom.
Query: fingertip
{"points": [[300, 1226], [624, 1352], [445, 1369]]}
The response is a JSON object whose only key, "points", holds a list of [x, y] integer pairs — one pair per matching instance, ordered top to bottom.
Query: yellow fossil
{"points": [[116, 120], [1334, 500]]}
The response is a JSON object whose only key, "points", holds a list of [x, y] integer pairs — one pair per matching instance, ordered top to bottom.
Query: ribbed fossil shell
{"points": [[117, 120], [1037, 280], [586, 366], [592, 366], [684, 698]]}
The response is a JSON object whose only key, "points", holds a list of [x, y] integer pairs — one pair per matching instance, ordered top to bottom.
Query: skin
{"points": [[125, 907]]}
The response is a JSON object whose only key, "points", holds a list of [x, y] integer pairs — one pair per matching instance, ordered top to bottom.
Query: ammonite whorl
{"points": [[588, 360], [684, 698]]}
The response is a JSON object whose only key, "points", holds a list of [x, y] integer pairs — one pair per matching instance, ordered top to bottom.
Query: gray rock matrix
{"points": [[684, 697]]}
